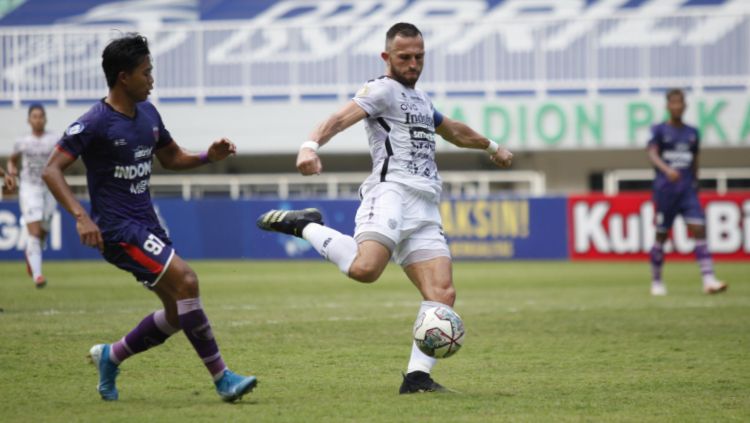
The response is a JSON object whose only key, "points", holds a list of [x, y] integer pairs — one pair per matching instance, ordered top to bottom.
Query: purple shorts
{"points": [[670, 203], [144, 252]]}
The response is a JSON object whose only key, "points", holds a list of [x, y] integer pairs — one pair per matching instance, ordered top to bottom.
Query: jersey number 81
{"points": [[153, 245]]}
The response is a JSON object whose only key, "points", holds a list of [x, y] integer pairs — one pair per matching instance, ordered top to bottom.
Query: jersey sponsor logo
{"points": [[409, 107], [419, 118], [75, 128], [155, 131], [421, 134], [120, 142], [142, 152], [677, 158], [133, 171], [140, 187]]}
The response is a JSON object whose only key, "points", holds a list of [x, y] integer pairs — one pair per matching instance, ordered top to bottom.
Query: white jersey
{"points": [[401, 132], [35, 152]]}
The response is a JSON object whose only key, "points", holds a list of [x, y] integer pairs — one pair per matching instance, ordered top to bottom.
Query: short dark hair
{"points": [[403, 29], [123, 54], [675, 91], [36, 106]]}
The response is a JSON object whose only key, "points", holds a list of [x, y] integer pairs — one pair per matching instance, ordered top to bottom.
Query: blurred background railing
{"points": [[209, 60], [340, 185]]}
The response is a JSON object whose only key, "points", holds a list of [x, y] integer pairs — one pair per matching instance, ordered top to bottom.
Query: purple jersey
{"points": [[678, 148], [117, 151]]}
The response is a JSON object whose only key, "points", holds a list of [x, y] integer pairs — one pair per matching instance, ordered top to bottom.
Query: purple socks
{"points": [[703, 257], [657, 261], [152, 331], [198, 331]]}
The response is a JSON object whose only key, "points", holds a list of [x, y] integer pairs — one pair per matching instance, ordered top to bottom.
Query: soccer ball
{"points": [[439, 332]]}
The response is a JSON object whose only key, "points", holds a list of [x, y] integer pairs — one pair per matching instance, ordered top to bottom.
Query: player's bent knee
{"points": [[367, 272], [189, 286], [444, 294], [447, 295]]}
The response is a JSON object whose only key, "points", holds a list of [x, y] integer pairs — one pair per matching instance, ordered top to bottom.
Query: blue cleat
{"points": [[108, 371], [232, 387]]}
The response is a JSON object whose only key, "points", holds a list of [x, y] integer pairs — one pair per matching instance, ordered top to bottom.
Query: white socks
{"points": [[334, 246], [341, 250], [34, 256], [420, 361]]}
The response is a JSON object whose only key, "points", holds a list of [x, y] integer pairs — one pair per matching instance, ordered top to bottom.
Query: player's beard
{"points": [[409, 81]]}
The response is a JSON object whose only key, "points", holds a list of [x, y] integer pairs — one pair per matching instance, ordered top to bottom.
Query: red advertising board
{"points": [[622, 227]]}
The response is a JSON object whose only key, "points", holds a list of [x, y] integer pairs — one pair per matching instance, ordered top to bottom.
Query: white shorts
{"points": [[37, 204], [406, 221]]}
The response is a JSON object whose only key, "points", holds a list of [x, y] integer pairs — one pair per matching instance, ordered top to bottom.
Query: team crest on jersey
{"points": [[363, 91], [75, 128], [155, 130]]}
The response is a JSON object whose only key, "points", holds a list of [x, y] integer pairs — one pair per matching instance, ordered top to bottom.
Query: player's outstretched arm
{"points": [[461, 135], [173, 157], [308, 162], [54, 177]]}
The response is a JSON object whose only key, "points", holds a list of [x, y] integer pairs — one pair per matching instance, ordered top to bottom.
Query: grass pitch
{"points": [[548, 341]]}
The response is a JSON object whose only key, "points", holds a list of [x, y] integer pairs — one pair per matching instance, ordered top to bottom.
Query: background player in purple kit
{"points": [[117, 139], [673, 149]]}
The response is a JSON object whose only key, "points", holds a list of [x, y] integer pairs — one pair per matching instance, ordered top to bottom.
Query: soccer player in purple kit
{"points": [[117, 139], [673, 149]]}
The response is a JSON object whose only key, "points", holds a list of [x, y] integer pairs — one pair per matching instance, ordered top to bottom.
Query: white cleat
{"points": [[714, 287], [658, 290]]}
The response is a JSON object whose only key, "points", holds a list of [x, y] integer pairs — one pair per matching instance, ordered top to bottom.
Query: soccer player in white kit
{"points": [[37, 203], [399, 216]]}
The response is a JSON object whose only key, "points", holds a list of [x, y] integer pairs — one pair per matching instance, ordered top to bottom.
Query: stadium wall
{"points": [[532, 124], [269, 134], [585, 227]]}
